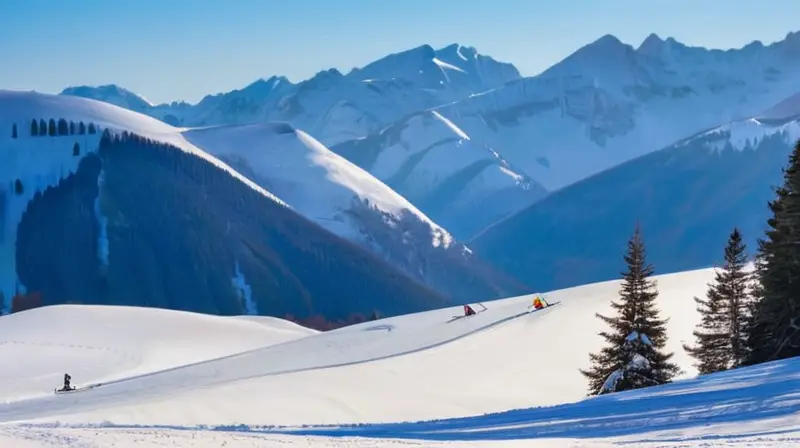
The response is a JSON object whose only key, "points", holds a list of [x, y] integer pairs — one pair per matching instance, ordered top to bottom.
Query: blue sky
{"points": [[183, 49]]}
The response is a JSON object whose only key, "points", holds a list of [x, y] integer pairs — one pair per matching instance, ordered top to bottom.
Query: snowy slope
{"points": [[610, 102], [38, 162], [312, 179], [463, 184], [348, 201], [102, 343], [449, 366], [457, 370]]}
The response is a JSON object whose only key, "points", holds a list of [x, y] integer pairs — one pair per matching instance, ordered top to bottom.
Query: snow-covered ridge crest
{"points": [[21, 107], [311, 178]]}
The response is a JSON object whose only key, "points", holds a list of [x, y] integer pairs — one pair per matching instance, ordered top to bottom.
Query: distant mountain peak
{"points": [[607, 41], [651, 45], [602, 48], [264, 86]]}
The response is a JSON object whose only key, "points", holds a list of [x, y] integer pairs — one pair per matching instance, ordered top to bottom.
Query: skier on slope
{"points": [[538, 303], [468, 311], [67, 379]]}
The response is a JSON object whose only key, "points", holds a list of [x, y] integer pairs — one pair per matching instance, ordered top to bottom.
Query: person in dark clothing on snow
{"points": [[468, 311], [67, 379]]}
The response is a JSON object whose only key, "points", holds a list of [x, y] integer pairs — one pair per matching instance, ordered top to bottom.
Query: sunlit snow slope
{"points": [[317, 182], [345, 199], [102, 343], [409, 368], [455, 369]]}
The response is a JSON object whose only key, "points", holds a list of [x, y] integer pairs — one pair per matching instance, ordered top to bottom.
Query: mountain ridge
{"points": [[686, 197], [129, 212]]}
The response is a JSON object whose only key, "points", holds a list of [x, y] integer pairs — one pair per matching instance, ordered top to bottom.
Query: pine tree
{"points": [[42, 127], [63, 127], [34, 128], [71, 128], [81, 128], [51, 129], [92, 129], [14, 130], [76, 149], [18, 187], [736, 286], [775, 329], [722, 335], [713, 349], [633, 357]]}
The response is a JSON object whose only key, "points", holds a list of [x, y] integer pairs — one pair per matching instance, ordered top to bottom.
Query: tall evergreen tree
{"points": [[42, 127], [34, 128], [51, 128], [71, 128], [81, 128], [92, 129], [14, 130], [76, 149], [736, 285], [775, 330], [722, 334], [633, 357]]}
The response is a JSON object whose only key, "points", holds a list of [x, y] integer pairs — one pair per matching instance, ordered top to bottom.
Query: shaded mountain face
{"points": [[687, 198], [145, 223]]}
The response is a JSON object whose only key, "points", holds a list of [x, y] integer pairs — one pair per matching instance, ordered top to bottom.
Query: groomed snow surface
{"points": [[180, 379]]}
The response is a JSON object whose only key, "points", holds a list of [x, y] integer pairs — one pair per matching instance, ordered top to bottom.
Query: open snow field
{"points": [[181, 379]]}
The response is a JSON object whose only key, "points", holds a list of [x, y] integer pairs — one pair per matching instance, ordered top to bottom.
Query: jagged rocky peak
{"points": [[652, 45], [790, 46], [604, 50], [457, 51], [396, 64], [325, 76], [263, 87]]}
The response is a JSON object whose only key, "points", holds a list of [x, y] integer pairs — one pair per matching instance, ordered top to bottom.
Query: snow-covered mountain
{"points": [[453, 71], [112, 94], [610, 102], [605, 104], [335, 107], [464, 185], [687, 197], [351, 203], [104, 205], [500, 378]]}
